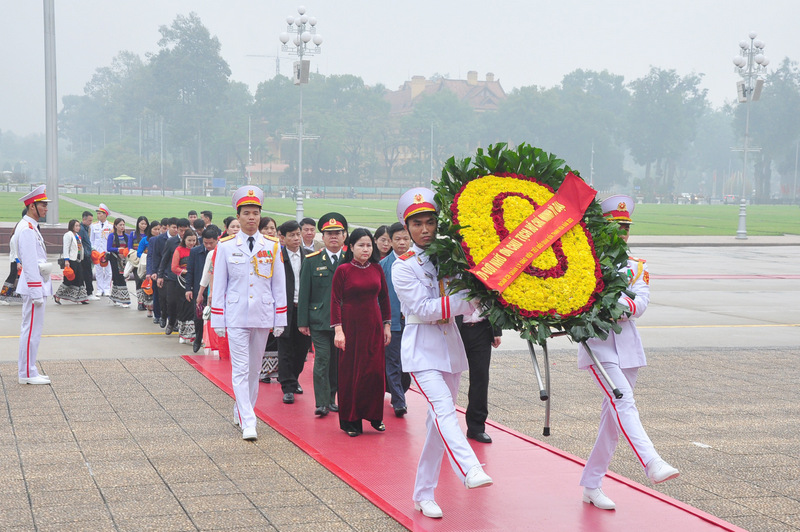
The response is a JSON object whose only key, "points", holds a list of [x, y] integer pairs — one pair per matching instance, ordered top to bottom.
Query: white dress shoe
{"points": [[94, 297], [39, 379], [249, 434], [659, 471], [476, 478], [598, 498], [429, 509]]}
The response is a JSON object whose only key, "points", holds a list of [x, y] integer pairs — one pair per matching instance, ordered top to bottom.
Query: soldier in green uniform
{"points": [[314, 309]]}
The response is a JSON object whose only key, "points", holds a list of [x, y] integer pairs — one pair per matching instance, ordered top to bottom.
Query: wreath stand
{"points": [[544, 387]]}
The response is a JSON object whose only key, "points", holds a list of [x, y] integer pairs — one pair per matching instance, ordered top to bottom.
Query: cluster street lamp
{"points": [[304, 29], [749, 64]]}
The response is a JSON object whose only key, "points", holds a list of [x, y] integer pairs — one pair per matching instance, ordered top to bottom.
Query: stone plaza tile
{"points": [[204, 488], [145, 492], [67, 498], [277, 498], [215, 503], [133, 508], [65, 515], [288, 515], [17, 517], [252, 519], [157, 523], [384, 524]]}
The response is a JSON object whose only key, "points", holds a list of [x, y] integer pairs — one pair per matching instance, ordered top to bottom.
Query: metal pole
{"points": [[51, 109], [794, 191], [299, 213], [741, 232]]}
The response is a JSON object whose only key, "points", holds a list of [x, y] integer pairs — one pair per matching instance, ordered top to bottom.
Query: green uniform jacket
{"points": [[314, 297]]}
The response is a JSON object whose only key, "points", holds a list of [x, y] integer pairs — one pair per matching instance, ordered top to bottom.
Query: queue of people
{"points": [[371, 308]]}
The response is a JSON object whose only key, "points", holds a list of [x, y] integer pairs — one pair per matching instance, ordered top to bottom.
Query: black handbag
{"points": [[61, 263]]}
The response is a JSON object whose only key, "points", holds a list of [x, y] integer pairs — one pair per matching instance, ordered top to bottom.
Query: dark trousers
{"points": [[86, 269], [156, 301], [169, 307], [478, 339], [293, 347], [326, 367], [397, 382]]}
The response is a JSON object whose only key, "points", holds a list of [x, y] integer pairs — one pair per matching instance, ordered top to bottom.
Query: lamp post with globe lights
{"points": [[304, 29], [749, 64]]}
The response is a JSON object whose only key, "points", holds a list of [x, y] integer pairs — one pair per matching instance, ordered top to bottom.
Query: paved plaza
{"points": [[130, 437]]}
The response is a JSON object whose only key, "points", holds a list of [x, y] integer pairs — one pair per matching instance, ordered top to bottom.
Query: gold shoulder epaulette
{"points": [[226, 238], [271, 238], [313, 254], [407, 255]]}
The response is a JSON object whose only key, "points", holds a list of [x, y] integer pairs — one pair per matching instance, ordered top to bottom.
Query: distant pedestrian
{"points": [[207, 216], [101, 229], [308, 229], [135, 239], [383, 241], [117, 254], [86, 264], [194, 276], [72, 288], [171, 293], [9, 294], [185, 304]]}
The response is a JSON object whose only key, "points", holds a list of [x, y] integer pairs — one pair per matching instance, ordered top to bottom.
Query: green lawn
{"points": [[650, 219]]}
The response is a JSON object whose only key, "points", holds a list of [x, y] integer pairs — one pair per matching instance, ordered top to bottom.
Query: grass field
{"points": [[650, 219]]}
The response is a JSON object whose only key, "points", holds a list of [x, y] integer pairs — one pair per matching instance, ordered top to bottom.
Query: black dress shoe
{"points": [[156, 320], [162, 323], [168, 330], [196, 345], [265, 380], [298, 389], [288, 398], [333, 407], [321, 411], [400, 412], [378, 425], [481, 437]]}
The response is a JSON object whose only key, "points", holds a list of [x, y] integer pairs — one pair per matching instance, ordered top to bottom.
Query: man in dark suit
{"points": [[155, 252], [194, 272], [168, 281], [314, 310], [292, 344], [397, 382]]}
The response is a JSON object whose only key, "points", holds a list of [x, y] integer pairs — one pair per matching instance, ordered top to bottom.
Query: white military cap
{"points": [[37, 194], [247, 195], [415, 201], [618, 207], [102, 208]]}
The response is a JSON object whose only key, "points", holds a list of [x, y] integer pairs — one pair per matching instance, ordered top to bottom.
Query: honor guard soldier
{"points": [[99, 238], [34, 285], [248, 300], [314, 309], [432, 351], [621, 354]]}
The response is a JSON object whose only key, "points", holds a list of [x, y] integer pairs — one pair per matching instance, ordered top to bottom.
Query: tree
{"points": [[662, 121]]}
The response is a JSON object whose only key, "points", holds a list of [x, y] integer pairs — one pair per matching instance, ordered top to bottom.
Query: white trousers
{"points": [[102, 275], [30, 334], [247, 348], [617, 417], [444, 434]]}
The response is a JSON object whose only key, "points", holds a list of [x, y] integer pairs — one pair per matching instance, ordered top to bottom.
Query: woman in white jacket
{"points": [[72, 252]]}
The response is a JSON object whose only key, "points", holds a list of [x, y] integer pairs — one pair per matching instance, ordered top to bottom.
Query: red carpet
{"points": [[535, 485]]}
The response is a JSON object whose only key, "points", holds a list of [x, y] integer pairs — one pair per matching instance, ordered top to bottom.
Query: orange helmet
{"points": [[95, 257], [103, 259], [69, 273]]}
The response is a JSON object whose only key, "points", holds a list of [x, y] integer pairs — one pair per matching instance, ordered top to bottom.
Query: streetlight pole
{"points": [[304, 29], [749, 65], [51, 110]]}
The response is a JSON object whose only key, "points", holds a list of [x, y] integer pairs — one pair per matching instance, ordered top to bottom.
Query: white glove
{"points": [[38, 301], [206, 312], [220, 331], [277, 331]]}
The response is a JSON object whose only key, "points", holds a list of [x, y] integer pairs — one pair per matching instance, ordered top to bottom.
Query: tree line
{"points": [[178, 111]]}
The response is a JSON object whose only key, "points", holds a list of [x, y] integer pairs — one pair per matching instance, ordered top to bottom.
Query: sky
{"points": [[523, 42]]}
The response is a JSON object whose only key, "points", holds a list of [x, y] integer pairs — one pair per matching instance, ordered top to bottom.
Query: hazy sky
{"points": [[523, 42]]}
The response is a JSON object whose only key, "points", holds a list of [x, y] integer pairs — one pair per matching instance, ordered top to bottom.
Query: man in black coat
{"points": [[155, 252], [194, 272], [168, 281], [292, 345]]}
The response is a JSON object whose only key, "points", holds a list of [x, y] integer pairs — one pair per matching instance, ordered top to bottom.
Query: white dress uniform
{"points": [[98, 235], [34, 286], [248, 299], [432, 351], [621, 354]]}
